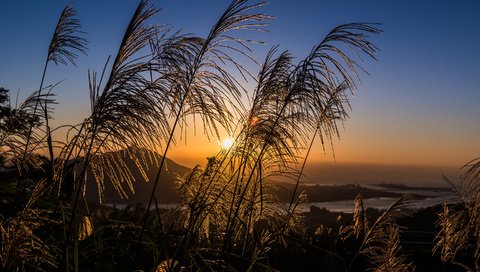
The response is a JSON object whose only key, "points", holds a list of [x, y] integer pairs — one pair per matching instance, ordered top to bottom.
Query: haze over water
{"points": [[355, 173]]}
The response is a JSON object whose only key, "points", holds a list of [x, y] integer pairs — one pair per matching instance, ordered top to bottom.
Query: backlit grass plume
{"points": [[65, 41], [63, 49], [200, 84], [157, 86], [292, 99], [125, 112], [126, 120], [15, 125], [459, 224], [380, 241], [20, 248], [385, 255]]}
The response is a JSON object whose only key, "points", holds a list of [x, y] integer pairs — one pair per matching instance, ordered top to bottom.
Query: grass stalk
{"points": [[29, 134], [160, 168]]}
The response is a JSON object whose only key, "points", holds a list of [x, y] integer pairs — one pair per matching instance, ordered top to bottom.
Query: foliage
{"points": [[15, 123], [228, 218], [459, 224], [379, 238], [21, 248]]}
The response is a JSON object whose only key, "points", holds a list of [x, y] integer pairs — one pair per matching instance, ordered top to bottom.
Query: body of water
{"points": [[434, 197]]}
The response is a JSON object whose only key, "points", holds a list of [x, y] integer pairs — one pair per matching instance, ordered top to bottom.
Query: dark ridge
{"points": [[165, 193]]}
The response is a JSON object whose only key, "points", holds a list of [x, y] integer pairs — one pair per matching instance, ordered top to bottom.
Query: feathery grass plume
{"points": [[65, 41], [62, 49], [325, 76], [200, 84], [299, 93], [127, 119], [15, 124], [258, 125], [262, 134], [473, 173], [38, 190], [201, 199], [205, 203], [202, 211], [359, 217], [459, 224], [360, 225], [85, 228], [452, 236], [376, 237], [20, 248], [385, 255], [167, 266]]}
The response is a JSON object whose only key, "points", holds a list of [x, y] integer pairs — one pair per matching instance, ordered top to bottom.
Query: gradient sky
{"points": [[420, 105]]}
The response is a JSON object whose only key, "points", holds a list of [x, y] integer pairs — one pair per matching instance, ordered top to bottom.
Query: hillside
{"points": [[165, 192]]}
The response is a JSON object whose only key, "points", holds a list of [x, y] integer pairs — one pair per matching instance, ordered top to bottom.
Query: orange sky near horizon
{"points": [[369, 136], [372, 136], [359, 145], [348, 150]]}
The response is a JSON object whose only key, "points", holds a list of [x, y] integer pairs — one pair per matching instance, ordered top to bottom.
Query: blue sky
{"points": [[418, 106]]}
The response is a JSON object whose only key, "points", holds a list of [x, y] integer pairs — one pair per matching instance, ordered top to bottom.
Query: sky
{"points": [[418, 106]]}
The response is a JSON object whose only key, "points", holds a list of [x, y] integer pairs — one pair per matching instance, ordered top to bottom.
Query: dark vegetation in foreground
{"points": [[158, 81]]}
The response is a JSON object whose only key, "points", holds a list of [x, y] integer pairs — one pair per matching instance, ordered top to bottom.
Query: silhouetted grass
{"points": [[229, 218]]}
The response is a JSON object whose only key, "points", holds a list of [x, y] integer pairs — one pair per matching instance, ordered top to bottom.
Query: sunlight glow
{"points": [[227, 143]]}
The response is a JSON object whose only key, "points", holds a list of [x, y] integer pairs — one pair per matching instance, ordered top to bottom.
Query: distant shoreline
{"points": [[400, 186], [330, 193]]}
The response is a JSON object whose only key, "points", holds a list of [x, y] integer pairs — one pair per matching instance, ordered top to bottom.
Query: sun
{"points": [[227, 143]]}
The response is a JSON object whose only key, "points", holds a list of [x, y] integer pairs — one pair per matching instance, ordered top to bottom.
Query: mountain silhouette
{"points": [[166, 191]]}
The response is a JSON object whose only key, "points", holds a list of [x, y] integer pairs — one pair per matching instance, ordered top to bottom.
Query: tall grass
{"points": [[62, 49], [200, 83], [286, 105], [228, 217], [459, 223], [380, 241]]}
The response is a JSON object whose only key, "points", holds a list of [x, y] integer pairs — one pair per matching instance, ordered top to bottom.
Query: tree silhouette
{"points": [[14, 118]]}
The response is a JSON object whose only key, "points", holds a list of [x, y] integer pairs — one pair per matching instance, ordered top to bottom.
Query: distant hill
{"points": [[165, 193]]}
